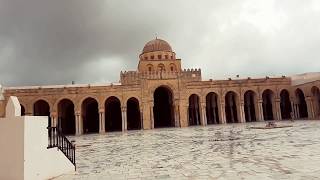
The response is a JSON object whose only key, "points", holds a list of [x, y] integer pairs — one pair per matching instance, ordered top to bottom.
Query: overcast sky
{"points": [[89, 41]]}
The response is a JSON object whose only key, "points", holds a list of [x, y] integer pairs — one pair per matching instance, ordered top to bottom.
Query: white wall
{"points": [[23, 147], [11, 148], [40, 162]]}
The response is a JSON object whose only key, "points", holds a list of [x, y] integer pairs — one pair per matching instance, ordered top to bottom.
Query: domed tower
{"points": [[157, 55]]}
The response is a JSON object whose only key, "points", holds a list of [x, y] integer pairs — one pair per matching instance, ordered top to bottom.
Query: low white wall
{"points": [[11, 148], [24, 153], [40, 162]]}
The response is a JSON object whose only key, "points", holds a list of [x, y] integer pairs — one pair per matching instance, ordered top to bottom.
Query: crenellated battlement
{"points": [[192, 74], [134, 77]]}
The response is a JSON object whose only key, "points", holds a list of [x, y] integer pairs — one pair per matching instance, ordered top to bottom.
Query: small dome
{"points": [[156, 45]]}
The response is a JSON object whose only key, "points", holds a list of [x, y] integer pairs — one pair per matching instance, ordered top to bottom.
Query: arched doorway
{"points": [[250, 99], [316, 101], [267, 104], [285, 104], [302, 104], [231, 107], [42, 108], [163, 108], [23, 110], [194, 110], [212, 110], [133, 114], [90, 115], [66, 117], [113, 117]]}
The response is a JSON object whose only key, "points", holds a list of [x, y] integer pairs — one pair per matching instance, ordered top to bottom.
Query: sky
{"points": [[46, 42]]}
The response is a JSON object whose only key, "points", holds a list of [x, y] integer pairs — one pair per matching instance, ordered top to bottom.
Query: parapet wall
{"points": [[134, 77]]}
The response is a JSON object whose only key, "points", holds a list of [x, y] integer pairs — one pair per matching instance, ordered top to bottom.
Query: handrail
{"points": [[57, 139]]}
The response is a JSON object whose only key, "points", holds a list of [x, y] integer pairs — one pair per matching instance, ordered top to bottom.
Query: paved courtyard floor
{"points": [[230, 151]]}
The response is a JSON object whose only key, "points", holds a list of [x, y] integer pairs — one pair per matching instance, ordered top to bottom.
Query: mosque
{"points": [[162, 94]]}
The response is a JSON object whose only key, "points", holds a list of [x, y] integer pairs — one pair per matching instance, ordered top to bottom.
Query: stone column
{"points": [[310, 108], [278, 109], [260, 110], [293, 110], [297, 110], [222, 112], [203, 114], [242, 115], [53, 116], [124, 118], [101, 121], [78, 126]]}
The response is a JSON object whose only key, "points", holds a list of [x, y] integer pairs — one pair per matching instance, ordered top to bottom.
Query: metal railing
{"points": [[57, 139]]}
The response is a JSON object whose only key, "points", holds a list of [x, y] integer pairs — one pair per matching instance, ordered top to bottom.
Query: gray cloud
{"points": [[55, 42]]}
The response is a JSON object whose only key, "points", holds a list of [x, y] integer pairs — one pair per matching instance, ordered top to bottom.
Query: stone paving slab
{"points": [[231, 151]]}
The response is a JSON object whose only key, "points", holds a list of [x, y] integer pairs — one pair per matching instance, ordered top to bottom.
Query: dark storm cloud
{"points": [[55, 42]]}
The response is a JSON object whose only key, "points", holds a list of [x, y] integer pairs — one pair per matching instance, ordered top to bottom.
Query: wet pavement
{"points": [[230, 151]]}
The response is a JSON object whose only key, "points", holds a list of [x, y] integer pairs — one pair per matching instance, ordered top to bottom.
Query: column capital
{"points": [[124, 108], [77, 113], [53, 114]]}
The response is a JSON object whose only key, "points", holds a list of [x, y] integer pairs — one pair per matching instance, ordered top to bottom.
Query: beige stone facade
{"points": [[162, 94]]}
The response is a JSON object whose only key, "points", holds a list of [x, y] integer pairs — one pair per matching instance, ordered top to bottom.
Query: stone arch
{"points": [[84, 98], [268, 98], [57, 101], [316, 101], [285, 104], [301, 104], [250, 105], [232, 107], [42, 108], [212, 108], [194, 110], [163, 111], [133, 114], [90, 115], [113, 115], [66, 116]]}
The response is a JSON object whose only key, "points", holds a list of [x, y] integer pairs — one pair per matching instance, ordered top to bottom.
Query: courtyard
{"points": [[228, 151]]}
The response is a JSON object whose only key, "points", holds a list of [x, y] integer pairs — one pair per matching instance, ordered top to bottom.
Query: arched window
{"points": [[161, 67]]}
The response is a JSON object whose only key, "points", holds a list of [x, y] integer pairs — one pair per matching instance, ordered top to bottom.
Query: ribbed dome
{"points": [[156, 45]]}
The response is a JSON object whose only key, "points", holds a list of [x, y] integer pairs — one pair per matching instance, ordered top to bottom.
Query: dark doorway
{"points": [[267, 98], [316, 101], [285, 104], [302, 104], [249, 106], [42, 108], [163, 108], [231, 108], [23, 110], [194, 110], [212, 110], [133, 114], [90, 115], [66, 117], [113, 117]]}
